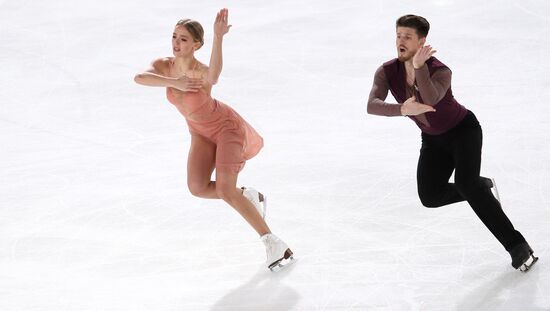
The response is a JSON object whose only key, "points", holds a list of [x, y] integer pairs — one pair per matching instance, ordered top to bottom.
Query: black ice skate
{"points": [[522, 257]]}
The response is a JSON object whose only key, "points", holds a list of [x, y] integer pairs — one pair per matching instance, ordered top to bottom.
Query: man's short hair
{"points": [[419, 23]]}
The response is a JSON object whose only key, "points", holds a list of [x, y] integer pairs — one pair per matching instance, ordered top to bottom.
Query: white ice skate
{"points": [[258, 200], [278, 253]]}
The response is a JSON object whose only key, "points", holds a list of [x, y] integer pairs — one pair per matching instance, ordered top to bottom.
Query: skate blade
{"points": [[280, 264], [526, 266]]}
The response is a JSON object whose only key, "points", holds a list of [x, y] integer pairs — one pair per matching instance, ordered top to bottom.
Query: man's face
{"points": [[407, 43]]}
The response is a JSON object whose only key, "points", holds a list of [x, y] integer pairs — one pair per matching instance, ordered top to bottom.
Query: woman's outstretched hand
{"points": [[220, 25]]}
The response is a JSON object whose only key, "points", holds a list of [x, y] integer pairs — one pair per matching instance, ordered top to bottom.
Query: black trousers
{"points": [[459, 150]]}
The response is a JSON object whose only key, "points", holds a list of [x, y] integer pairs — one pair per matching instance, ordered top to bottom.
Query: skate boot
{"points": [[491, 184], [258, 200], [278, 253], [522, 257]]}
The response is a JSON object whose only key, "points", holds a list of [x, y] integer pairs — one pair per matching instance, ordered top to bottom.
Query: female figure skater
{"points": [[220, 138]]}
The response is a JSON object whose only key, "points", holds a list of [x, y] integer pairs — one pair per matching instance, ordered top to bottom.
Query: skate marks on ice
{"points": [[263, 291], [505, 291]]}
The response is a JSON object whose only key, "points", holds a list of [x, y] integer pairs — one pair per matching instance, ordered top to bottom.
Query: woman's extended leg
{"points": [[200, 165]]}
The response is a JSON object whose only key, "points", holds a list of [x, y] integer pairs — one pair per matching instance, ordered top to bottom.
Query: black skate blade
{"points": [[526, 266]]}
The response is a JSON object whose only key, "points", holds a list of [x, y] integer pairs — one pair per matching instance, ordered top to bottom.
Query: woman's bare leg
{"points": [[200, 165], [226, 189]]}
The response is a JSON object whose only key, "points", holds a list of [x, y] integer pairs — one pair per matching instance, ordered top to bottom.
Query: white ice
{"points": [[94, 209]]}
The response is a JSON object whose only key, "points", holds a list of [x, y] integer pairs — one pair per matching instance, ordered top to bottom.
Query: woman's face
{"points": [[182, 42]]}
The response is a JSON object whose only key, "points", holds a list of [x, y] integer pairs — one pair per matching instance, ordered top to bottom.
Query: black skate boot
{"points": [[522, 257]]}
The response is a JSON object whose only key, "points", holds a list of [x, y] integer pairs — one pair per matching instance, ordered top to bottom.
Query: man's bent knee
{"points": [[429, 201]]}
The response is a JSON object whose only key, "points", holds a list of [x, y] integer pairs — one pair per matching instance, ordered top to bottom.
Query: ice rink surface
{"points": [[94, 209]]}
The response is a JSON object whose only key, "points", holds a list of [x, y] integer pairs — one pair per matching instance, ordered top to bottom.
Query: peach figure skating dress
{"points": [[236, 141]]}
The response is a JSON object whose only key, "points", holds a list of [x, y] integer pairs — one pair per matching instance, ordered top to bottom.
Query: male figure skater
{"points": [[451, 134]]}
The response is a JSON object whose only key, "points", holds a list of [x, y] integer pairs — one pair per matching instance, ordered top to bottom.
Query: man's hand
{"points": [[422, 55], [413, 108]]}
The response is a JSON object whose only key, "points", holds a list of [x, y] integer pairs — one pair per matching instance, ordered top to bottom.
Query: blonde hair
{"points": [[194, 28]]}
